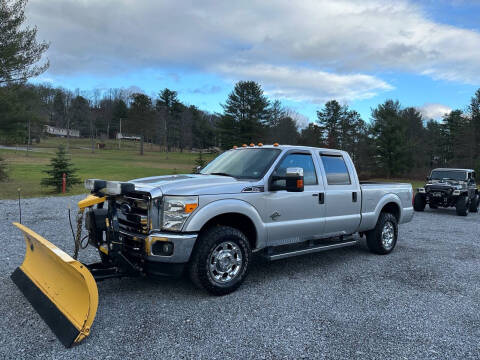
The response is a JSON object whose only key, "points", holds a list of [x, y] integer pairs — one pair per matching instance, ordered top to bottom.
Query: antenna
{"points": [[19, 205]]}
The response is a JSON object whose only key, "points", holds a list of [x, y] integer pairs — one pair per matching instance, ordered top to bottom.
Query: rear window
{"points": [[336, 170]]}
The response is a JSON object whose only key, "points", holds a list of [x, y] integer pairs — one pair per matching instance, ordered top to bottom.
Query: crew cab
{"points": [[449, 187], [277, 201]]}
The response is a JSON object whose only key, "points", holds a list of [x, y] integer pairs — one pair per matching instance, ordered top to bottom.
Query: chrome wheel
{"points": [[388, 235], [225, 262]]}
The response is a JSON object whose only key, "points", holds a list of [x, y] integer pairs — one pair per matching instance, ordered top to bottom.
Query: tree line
{"points": [[396, 142]]}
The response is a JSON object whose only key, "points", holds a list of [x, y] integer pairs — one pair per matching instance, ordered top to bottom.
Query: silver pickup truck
{"points": [[278, 201]]}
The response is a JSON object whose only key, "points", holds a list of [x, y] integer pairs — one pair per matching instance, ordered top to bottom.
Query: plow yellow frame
{"points": [[61, 289]]}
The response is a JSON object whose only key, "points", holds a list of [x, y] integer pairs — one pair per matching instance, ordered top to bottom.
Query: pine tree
{"points": [[199, 162], [60, 165]]}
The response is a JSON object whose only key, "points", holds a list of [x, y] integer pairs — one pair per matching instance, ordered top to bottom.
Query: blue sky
{"points": [[424, 53]]}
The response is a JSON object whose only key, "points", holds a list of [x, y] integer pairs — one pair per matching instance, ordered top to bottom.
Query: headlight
{"points": [[176, 210]]}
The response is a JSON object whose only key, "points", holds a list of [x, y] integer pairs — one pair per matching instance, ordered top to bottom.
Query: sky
{"points": [[423, 53]]}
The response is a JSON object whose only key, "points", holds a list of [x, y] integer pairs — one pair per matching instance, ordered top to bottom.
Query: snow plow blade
{"points": [[60, 289]]}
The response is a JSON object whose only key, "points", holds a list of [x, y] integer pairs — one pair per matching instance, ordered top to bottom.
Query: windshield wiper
{"points": [[221, 174]]}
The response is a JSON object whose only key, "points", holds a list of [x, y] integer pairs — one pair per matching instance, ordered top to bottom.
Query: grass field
{"points": [[25, 172]]}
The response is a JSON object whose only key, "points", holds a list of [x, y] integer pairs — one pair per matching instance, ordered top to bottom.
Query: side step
{"points": [[308, 247]]}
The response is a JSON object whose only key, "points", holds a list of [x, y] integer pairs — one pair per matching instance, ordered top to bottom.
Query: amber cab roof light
{"points": [[260, 144], [275, 144]]}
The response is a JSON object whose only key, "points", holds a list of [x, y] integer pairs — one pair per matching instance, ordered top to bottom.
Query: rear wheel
{"points": [[419, 202], [474, 203], [462, 206], [383, 238], [220, 262]]}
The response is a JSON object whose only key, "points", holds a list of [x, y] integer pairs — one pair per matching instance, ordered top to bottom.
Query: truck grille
{"points": [[133, 219]]}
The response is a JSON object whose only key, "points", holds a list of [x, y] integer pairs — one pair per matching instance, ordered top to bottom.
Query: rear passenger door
{"points": [[342, 195]]}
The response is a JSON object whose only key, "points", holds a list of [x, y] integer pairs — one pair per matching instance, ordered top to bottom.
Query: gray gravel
{"points": [[421, 301]]}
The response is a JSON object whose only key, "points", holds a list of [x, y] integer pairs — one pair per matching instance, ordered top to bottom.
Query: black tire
{"points": [[419, 202], [474, 204], [433, 206], [462, 206], [375, 237], [234, 245]]}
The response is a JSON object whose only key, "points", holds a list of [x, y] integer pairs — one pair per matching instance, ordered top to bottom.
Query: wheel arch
{"points": [[230, 212]]}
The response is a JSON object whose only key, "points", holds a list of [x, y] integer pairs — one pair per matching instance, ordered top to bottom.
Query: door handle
{"points": [[354, 196], [321, 198]]}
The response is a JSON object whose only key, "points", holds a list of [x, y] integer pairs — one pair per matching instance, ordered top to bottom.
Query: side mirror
{"points": [[197, 169], [429, 178], [293, 181]]}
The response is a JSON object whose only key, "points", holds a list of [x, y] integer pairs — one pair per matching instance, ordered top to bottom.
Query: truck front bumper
{"points": [[179, 247]]}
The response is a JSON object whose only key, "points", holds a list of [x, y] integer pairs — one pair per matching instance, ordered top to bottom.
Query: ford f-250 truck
{"points": [[278, 201]]}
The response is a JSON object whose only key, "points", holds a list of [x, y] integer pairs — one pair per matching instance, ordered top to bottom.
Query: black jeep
{"points": [[448, 188]]}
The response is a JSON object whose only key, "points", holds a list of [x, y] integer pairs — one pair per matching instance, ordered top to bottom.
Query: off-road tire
{"points": [[419, 202], [474, 204], [462, 206], [374, 237], [199, 263]]}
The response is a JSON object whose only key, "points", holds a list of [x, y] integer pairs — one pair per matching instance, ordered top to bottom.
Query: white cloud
{"points": [[334, 47], [301, 84], [434, 111]]}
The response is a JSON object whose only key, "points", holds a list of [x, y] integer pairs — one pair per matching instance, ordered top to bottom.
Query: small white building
{"points": [[52, 130], [127, 137]]}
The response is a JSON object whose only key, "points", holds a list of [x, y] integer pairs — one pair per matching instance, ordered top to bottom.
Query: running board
{"points": [[276, 253]]}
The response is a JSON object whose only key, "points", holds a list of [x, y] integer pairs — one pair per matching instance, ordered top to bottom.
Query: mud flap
{"points": [[60, 289]]}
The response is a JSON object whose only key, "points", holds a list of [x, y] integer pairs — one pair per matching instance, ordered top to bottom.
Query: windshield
{"points": [[242, 163], [449, 174]]}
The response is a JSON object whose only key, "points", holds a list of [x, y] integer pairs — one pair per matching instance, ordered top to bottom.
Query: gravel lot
{"points": [[421, 301]]}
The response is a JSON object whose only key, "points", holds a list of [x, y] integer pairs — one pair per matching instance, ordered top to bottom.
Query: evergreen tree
{"points": [[19, 49], [246, 112], [141, 116], [329, 119], [389, 134], [200, 162], [60, 165]]}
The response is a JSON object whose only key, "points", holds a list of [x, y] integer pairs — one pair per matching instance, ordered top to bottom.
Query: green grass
{"points": [[25, 172]]}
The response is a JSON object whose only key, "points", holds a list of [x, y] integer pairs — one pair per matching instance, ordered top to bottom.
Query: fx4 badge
{"points": [[275, 215]]}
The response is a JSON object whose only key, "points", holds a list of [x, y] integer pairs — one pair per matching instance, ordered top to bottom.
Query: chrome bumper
{"points": [[182, 247]]}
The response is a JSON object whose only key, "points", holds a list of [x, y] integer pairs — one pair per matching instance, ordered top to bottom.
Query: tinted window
{"points": [[299, 160], [336, 170]]}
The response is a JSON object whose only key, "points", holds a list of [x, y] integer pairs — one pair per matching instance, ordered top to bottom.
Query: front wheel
{"points": [[419, 202], [474, 203], [462, 206], [383, 238], [220, 260]]}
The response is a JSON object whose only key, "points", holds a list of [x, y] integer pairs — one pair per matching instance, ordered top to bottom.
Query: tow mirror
{"points": [[293, 181]]}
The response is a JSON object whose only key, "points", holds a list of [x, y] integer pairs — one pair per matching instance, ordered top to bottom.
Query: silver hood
{"points": [[191, 184]]}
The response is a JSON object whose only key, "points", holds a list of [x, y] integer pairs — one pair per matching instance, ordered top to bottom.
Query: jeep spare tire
{"points": [[419, 202]]}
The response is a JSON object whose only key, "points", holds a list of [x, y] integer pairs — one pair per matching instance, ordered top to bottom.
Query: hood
{"points": [[191, 184]]}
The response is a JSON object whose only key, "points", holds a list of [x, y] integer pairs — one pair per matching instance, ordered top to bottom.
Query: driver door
{"points": [[295, 216]]}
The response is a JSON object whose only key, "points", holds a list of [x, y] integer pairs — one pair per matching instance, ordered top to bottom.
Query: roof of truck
{"points": [[287, 147]]}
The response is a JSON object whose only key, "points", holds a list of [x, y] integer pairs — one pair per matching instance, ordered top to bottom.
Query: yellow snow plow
{"points": [[61, 289]]}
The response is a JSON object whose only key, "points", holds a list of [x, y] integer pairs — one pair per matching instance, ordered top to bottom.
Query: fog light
{"points": [[162, 248]]}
